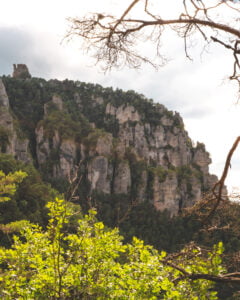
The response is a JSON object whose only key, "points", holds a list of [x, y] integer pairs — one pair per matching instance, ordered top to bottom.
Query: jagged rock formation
{"points": [[21, 71], [3, 96], [12, 140], [126, 145]]}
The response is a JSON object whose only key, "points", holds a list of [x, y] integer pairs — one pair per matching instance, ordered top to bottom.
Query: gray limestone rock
{"points": [[3, 95], [123, 113], [16, 145], [98, 174], [122, 180], [166, 194]]}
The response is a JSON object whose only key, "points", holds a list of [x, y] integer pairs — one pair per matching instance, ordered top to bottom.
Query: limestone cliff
{"points": [[12, 140], [127, 146]]}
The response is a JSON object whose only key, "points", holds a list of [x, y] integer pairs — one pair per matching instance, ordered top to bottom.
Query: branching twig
{"points": [[115, 40], [220, 184]]}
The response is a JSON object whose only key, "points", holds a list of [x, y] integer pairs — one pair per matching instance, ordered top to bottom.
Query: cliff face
{"points": [[12, 140], [125, 144]]}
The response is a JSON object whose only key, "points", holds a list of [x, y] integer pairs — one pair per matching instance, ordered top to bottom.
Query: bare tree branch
{"points": [[115, 41], [218, 187], [178, 261], [226, 278]]}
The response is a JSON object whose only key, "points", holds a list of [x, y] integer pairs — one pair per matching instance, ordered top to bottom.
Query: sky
{"points": [[32, 32]]}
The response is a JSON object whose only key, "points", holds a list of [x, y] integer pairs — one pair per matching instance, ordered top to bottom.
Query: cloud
{"points": [[10, 41], [20, 46]]}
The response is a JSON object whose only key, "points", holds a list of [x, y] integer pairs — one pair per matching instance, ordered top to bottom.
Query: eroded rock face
{"points": [[21, 71], [3, 95], [56, 101], [123, 113], [13, 143], [104, 145], [62, 152], [143, 158], [202, 159], [67, 160], [114, 162], [99, 173], [122, 180], [166, 194]]}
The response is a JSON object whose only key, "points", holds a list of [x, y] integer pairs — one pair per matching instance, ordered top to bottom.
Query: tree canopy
{"points": [[8, 184]]}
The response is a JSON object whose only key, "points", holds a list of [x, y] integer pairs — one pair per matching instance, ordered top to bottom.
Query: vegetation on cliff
{"points": [[82, 139]]}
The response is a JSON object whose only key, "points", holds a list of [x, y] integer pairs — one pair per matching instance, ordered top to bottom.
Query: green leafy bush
{"points": [[29, 201], [93, 263]]}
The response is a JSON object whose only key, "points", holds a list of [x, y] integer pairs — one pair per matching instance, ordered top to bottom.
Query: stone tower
{"points": [[21, 71]]}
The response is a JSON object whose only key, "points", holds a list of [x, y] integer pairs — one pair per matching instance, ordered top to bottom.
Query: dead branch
{"points": [[115, 40], [74, 182], [220, 184], [178, 260], [226, 278]]}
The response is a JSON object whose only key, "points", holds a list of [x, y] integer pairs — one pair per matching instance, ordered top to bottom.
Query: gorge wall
{"points": [[123, 144]]}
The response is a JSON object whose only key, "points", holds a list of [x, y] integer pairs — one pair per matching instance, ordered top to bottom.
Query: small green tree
{"points": [[8, 184]]}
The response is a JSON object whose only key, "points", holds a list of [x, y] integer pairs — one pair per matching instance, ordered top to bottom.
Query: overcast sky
{"points": [[31, 32]]}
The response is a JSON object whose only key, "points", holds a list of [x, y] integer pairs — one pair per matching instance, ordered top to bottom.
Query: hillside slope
{"points": [[130, 149]]}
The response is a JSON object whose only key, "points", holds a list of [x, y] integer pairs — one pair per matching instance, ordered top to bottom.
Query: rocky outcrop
{"points": [[21, 71], [3, 96], [55, 103], [123, 113], [12, 140], [104, 145], [133, 149], [61, 154], [201, 158], [67, 160], [112, 163], [99, 174], [122, 178], [166, 194]]}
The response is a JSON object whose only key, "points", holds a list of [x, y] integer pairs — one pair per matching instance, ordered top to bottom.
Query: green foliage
{"points": [[27, 99], [150, 113], [61, 122], [111, 124], [91, 140], [160, 172], [186, 172], [8, 184], [29, 200], [158, 228], [93, 263]]}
